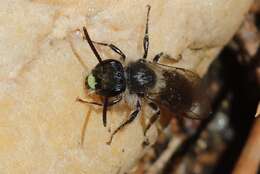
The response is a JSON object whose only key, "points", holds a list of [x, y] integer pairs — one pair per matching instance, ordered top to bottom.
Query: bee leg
{"points": [[146, 35], [114, 48], [157, 57], [115, 101], [88, 102], [111, 103], [105, 105], [88, 114], [153, 118], [128, 121], [83, 130]]}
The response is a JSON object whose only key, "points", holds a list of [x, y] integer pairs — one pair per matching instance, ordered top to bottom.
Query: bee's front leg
{"points": [[113, 48]]}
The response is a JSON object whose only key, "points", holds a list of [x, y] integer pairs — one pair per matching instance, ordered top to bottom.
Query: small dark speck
{"points": [[51, 43], [145, 143]]}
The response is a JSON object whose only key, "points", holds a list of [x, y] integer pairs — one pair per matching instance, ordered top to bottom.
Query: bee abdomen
{"points": [[177, 94]]}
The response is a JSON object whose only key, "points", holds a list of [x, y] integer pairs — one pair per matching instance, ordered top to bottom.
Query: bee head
{"points": [[107, 78]]}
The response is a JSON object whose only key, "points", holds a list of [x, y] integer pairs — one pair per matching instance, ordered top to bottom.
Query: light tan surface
{"points": [[40, 77]]}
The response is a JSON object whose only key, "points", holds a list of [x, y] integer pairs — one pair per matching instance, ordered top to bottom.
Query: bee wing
{"points": [[188, 74], [194, 111]]}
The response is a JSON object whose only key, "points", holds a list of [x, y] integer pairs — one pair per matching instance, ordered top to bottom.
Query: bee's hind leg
{"points": [[153, 118]]}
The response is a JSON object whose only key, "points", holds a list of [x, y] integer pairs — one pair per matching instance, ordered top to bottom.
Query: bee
{"points": [[161, 86]]}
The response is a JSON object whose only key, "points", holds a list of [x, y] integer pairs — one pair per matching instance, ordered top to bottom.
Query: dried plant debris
{"points": [[257, 114], [206, 150]]}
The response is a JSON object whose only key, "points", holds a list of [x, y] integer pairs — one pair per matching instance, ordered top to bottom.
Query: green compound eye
{"points": [[92, 81]]}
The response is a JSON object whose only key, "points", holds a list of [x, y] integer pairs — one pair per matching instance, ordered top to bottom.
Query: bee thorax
{"points": [[140, 78]]}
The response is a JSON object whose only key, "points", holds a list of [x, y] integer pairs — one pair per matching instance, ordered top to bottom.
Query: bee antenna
{"points": [[92, 45], [105, 105]]}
